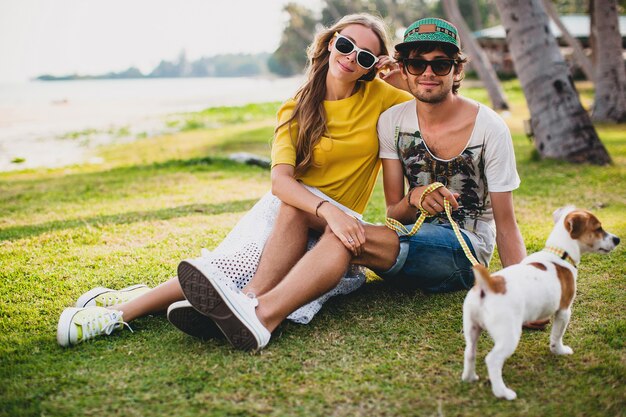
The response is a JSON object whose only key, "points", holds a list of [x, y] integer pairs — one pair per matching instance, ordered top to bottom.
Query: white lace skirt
{"points": [[236, 259]]}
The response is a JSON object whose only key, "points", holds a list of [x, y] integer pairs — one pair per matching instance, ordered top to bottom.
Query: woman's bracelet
{"points": [[408, 198], [318, 207]]}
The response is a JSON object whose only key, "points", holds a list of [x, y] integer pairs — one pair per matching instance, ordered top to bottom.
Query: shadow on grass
{"points": [[115, 177], [84, 188], [20, 232]]}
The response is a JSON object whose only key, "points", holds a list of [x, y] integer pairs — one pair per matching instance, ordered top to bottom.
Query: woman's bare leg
{"points": [[284, 248], [321, 269], [156, 300]]}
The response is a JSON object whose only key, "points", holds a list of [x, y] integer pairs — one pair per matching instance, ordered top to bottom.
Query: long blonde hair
{"points": [[309, 111]]}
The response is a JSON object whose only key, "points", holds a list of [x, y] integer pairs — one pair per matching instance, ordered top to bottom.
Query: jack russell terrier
{"points": [[542, 285]]}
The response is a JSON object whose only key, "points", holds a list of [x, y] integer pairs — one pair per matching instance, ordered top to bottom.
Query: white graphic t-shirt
{"points": [[486, 164]]}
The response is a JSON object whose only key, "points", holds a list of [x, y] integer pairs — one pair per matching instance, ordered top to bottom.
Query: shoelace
{"points": [[111, 300], [106, 322]]}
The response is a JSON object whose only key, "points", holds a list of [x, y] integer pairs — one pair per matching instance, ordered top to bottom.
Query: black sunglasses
{"points": [[345, 46], [417, 66]]}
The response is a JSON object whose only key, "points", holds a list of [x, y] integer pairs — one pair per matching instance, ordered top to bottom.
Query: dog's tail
{"points": [[488, 283]]}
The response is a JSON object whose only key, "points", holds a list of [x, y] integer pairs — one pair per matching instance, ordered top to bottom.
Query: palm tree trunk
{"points": [[476, 18], [579, 55], [480, 61], [610, 75], [562, 128]]}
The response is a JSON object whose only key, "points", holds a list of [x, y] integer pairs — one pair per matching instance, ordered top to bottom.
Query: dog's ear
{"points": [[561, 211], [576, 223]]}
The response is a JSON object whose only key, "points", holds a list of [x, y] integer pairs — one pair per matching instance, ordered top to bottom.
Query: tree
{"points": [[571, 6], [396, 13], [477, 13], [476, 17], [579, 55], [290, 57], [480, 61], [610, 75], [562, 128]]}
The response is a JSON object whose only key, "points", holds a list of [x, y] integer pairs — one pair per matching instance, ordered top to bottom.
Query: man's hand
{"points": [[433, 202]]}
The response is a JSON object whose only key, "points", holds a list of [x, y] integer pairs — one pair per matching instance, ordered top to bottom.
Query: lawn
{"points": [[377, 352]]}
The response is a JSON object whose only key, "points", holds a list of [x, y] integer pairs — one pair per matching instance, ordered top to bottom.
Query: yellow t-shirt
{"points": [[345, 163]]}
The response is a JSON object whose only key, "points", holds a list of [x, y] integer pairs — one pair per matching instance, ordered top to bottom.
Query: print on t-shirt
{"points": [[457, 174]]}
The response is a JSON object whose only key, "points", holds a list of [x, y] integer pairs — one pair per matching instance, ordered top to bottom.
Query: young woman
{"points": [[324, 167]]}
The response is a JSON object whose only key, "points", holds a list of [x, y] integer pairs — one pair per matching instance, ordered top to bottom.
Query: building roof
{"points": [[576, 24]]}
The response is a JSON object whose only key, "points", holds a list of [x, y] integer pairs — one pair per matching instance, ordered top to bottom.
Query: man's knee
{"points": [[381, 237], [381, 248]]}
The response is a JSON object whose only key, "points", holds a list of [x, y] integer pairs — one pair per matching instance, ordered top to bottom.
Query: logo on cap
{"points": [[430, 30]]}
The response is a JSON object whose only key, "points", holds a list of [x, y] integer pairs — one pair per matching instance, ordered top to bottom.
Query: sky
{"points": [[62, 37]]}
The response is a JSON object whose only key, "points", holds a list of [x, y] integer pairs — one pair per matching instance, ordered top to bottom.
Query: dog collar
{"points": [[561, 254]]}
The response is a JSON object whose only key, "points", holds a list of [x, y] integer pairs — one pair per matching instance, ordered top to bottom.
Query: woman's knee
{"points": [[289, 210], [291, 214], [329, 237]]}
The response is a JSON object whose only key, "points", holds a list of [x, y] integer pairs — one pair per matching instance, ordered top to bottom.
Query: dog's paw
{"points": [[561, 350], [467, 377], [507, 394]]}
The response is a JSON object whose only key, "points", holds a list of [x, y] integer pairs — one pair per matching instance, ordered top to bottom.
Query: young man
{"points": [[438, 137], [443, 137]]}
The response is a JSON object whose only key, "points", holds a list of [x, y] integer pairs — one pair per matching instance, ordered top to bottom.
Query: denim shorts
{"points": [[432, 260]]}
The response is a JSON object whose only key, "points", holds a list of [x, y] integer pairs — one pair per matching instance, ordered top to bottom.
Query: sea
{"points": [[60, 123]]}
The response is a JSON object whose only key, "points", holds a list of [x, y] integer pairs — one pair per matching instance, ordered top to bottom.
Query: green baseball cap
{"points": [[430, 29]]}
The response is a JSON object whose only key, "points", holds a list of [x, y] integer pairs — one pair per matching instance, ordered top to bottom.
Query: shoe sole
{"points": [[91, 295], [208, 300], [194, 323], [64, 326]]}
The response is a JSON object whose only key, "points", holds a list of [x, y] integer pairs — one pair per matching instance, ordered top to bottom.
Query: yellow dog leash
{"points": [[399, 228]]}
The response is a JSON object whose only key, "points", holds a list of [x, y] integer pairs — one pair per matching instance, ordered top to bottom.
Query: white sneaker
{"points": [[106, 297], [232, 311], [186, 319], [79, 324]]}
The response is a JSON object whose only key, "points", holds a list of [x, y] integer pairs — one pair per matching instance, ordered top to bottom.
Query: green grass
{"points": [[376, 352]]}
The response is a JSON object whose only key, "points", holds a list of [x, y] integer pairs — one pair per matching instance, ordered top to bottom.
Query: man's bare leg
{"points": [[380, 250]]}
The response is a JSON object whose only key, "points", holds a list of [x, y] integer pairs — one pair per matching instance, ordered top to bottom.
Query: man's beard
{"points": [[430, 98]]}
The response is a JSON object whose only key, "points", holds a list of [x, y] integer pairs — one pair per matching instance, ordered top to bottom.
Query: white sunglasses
{"points": [[345, 46]]}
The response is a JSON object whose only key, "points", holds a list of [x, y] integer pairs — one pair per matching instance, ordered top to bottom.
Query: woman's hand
{"points": [[385, 62], [389, 71], [433, 202], [348, 229]]}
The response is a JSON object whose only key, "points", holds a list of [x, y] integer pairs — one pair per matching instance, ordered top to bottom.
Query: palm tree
{"points": [[582, 60], [480, 61], [610, 75], [561, 127]]}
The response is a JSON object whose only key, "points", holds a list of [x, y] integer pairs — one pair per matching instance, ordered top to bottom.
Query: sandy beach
{"points": [[52, 124]]}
